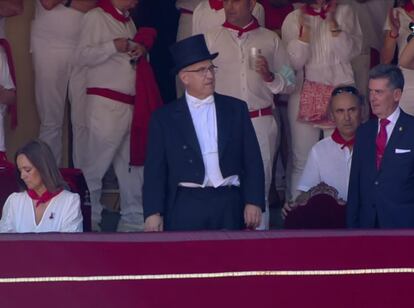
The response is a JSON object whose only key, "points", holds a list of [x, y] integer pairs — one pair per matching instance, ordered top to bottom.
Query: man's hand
{"points": [[304, 27], [121, 44], [136, 50], [262, 68], [252, 216], [154, 223]]}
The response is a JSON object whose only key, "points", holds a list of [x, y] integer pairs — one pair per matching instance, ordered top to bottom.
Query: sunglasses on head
{"points": [[345, 89]]}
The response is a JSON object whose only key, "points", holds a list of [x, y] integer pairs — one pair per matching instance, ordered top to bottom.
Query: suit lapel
{"points": [[224, 122], [185, 124]]}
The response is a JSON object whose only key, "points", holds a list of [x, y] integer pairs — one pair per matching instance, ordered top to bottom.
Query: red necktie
{"points": [[381, 140]]}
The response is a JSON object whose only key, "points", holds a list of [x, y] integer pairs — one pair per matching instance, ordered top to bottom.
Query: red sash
{"points": [[108, 7]]}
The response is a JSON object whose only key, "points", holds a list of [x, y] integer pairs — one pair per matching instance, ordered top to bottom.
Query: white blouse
{"points": [[63, 214]]}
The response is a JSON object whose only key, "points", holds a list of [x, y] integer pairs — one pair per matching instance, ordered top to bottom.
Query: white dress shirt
{"points": [[203, 114], [393, 120], [329, 163]]}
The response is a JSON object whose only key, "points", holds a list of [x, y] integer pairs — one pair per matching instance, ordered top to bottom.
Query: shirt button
{"points": [[184, 147], [190, 161], [376, 182]]}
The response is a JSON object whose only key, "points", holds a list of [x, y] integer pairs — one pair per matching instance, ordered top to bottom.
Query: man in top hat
{"points": [[203, 169]]}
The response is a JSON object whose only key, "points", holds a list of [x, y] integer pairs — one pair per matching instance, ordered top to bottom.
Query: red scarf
{"points": [[216, 4], [108, 7], [409, 7], [309, 10], [252, 26], [147, 99], [13, 107], [336, 136], [44, 198]]}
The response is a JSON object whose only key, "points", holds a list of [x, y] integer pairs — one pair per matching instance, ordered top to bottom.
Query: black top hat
{"points": [[189, 51]]}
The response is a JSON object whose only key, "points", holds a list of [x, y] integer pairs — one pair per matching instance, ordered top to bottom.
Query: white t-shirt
{"points": [[327, 163], [63, 214]]}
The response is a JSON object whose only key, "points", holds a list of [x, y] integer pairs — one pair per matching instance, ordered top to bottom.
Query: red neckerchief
{"points": [[216, 4], [108, 7], [408, 7], [309, 10], [252, 26], [13, 107], [336, 136], [45, 197]]}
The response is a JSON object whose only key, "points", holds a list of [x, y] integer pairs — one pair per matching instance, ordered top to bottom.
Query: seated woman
{"points": [[45, 205]]}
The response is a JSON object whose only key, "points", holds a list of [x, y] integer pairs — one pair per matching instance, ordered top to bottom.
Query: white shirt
{"points": [[206, 18], [60, 27], [326, 59], [106, 67], [235, 78], [203, 114], [393, 120], [328, 163], [63, 214]]}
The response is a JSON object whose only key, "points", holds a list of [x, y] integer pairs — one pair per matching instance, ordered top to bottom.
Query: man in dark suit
{"points": [[203, 169], [381, 187]]}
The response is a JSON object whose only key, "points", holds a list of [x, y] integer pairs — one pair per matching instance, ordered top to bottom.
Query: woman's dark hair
{"points": [[41, 156]]}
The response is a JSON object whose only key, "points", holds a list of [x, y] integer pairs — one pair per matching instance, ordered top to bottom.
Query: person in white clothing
{"points": [[210, 13], [398, 27], [54, 36], [321, 38], [106, 50], [407, 56], [253, 79], [7, 87], [7, 97], [329, 160], [45, 205]]}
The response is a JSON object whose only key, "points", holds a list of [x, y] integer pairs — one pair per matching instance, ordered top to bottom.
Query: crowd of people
{"points": [[257, 82]]}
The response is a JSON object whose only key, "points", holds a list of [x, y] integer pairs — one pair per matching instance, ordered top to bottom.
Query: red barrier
{"points": [[222, 269]]}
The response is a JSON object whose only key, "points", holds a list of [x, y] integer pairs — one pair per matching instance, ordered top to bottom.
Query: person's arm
{"points": [[83, 5], [11, 7], [391, 33], [406, 59], [253, 176], [155, 177], [352, 208], [72, 220], [6, 222]]}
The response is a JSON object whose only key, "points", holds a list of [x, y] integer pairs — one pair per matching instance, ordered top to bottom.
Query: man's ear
{"points": [[183, 77], [397, 94]]}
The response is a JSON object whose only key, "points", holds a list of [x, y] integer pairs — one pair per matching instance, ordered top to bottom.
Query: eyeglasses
{"points": [[411, 28], [203, 70], [345, 89]]}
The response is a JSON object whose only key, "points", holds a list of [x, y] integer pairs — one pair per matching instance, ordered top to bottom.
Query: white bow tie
{"points": [[197, 103]]}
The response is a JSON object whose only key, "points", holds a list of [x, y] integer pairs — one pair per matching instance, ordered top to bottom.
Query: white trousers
{"points": [[185, 29], [52, 72], [77, 98], [266, 132], [304, 136], [108, 143]]}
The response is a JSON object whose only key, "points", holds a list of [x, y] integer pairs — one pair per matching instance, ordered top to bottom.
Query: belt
{"points": [[185, 11], [111, 94], [261, 112]]}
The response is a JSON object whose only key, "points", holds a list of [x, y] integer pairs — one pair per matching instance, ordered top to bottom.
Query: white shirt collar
{"points": [[195, 102], [393, 117]]}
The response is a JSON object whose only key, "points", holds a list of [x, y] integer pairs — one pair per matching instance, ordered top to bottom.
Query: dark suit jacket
{"points": [[174, 154], [386, 194]]}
